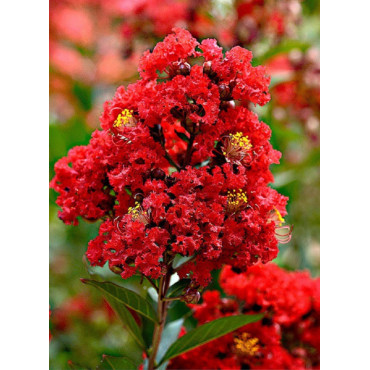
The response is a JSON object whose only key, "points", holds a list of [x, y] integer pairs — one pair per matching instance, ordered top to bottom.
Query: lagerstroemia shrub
{"points": [[179, 169]]}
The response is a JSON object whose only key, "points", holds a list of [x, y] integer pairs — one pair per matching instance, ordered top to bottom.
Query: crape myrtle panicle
{"points": [[181, 166], [288, 337]]}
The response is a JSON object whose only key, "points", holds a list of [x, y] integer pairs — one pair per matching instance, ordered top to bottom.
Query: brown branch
{"points": [[189, 150], [171, 161], [152, 283]]}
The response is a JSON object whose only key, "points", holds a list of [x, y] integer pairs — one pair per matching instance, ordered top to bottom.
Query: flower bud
{"points": [[207, 67], [184, 69], [225, 92], [225, 105], [158, 174], [139, 196], [116, 269], [191, 296]]}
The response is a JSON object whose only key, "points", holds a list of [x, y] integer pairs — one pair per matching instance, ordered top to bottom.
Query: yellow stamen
{"points": [[125, 118], [240, 141], [235, 147], [236, 200], [138, 214], [279, 217], [246, 345]]}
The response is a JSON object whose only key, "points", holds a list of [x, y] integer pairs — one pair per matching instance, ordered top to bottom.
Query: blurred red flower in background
{"points": [[288, 337]]}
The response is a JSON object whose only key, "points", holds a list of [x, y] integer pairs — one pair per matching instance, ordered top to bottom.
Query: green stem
{"points": [[162, 314]]}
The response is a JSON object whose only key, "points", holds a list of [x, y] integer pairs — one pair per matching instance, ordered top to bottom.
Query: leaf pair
{"points": [[121, 299]]}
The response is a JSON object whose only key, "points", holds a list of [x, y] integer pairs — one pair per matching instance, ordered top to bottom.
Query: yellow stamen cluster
{"points": [[125, 118], [240, 141], [236, 146], [236, 200], [138, 214], [280, 219], [246, 345]]}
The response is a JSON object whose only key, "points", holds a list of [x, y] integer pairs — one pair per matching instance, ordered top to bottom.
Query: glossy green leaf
{"points": [[182, 136], [179, 260], [176, 289], [126, 296], [127, 319], [208, 332], [169, 336], [116, 363]]}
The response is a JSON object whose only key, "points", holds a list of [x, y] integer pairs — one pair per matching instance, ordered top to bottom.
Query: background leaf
{"points": [[284, 47], [176, 289], [125, 296], [127, 319], [208, 332], [169, 336], [116, 363]]}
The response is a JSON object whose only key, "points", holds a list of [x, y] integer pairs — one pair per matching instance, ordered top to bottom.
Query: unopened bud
{"points": [[207, 67], [184, 69], [225, 93], [225, 105], [158, 174], [139, 196], [116, 269], [191, 296]]}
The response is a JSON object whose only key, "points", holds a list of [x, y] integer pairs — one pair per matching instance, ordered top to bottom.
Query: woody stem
{"points": [[189, 150], [171, 161], [162, 314]]}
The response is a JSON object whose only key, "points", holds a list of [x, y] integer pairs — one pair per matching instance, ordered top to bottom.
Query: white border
{"points": [[24, 185], [345, 185]]}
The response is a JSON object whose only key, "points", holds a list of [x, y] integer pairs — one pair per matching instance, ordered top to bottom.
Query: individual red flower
{"points": [[180, 167], [288, 337]]}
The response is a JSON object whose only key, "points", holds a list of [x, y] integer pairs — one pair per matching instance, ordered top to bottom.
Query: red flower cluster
{"points": [[181, 167], [288, 337]]}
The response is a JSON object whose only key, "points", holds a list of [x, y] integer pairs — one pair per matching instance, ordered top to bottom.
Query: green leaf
{"points": [[283, 47], [84, 94], [182, 136], [179, 260], [176, 289], [126, 296], [127, 319], [147, 330], [208, 332], [169, 336], [116, 363]]}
